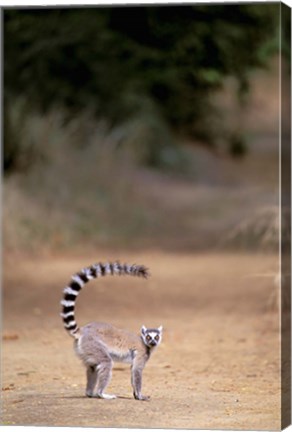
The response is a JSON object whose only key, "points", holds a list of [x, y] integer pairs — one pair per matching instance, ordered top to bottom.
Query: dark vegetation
{"points": [[148, 73], [134, 126]]}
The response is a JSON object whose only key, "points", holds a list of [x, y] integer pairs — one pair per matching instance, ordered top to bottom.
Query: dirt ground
{"points": [[218, 365]]}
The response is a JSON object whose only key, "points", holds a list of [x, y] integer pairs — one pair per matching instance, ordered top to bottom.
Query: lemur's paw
{"points": [[106, 396], [141, 397]]}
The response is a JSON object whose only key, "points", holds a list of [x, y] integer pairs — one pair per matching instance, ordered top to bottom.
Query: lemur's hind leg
{"points": [[98, 369], [104, 371], [91, 375]]}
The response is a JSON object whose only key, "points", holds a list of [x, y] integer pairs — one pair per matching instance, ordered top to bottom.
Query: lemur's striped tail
{"points": [[80, 279]]}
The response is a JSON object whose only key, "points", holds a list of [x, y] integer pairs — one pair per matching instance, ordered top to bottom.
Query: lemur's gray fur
{"points": [[100, 344]]}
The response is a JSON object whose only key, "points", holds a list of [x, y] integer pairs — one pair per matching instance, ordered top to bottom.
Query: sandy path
{"points": [[218, 366]]}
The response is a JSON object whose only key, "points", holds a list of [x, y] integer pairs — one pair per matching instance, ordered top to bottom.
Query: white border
{"points": [[11, 3]]}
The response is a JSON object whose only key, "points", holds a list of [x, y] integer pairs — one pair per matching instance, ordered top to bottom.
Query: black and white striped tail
{"points": [[80, 279]]}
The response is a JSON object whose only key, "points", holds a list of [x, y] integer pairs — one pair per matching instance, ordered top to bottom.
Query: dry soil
{"points": [[218, 365]]}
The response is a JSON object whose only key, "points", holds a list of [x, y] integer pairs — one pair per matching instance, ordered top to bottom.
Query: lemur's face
{"points": [[151, 336]]}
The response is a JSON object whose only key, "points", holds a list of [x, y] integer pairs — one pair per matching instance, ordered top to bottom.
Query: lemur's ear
{"points": [[160, 328], [143, 329]]}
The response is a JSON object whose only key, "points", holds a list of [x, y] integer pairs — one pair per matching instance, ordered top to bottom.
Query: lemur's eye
{"points": [[148, 338], [156, 338]]}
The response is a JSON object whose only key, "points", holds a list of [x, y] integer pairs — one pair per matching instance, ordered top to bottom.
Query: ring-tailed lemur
{"points": [[99, 344]]}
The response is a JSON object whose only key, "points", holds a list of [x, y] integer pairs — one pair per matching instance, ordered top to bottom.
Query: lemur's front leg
{"points": [[136, 379]]}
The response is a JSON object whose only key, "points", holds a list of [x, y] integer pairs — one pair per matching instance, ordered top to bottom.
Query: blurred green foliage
{"points": [[155, 66]]}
